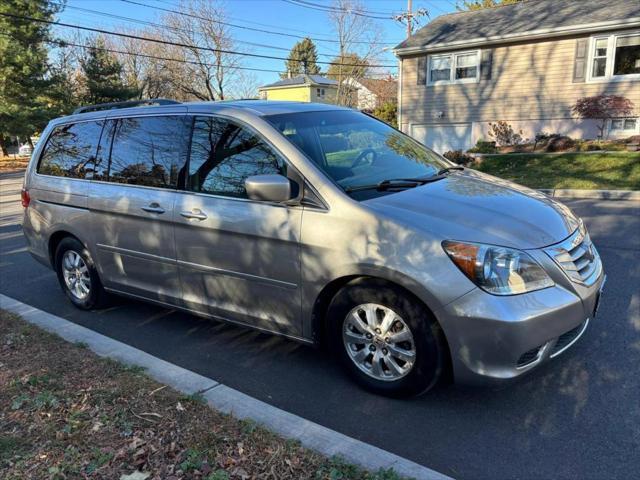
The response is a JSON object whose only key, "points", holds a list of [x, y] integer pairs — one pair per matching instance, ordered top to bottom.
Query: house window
{"points": [[600, 57], [615, 57], [453, 68], [320, 92], [623, 126]]}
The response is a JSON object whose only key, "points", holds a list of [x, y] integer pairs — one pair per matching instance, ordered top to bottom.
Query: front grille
{"points": [[578, 257], [566, 339], [528, 357]]}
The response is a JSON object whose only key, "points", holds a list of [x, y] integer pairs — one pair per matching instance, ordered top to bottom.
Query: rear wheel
{"points": [[78, 276], [386, 339]]}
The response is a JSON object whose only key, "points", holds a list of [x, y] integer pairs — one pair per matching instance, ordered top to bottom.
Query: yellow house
{"points": [[303, 88]]}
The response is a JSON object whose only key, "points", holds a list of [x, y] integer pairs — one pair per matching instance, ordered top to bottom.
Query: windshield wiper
{"points": [[446, 170], [395, 183]]}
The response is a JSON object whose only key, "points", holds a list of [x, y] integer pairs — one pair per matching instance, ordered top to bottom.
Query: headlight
{"points": [[498, 270]]}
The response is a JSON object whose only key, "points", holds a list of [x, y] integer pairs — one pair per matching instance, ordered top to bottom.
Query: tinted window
{"points": [[354, 149], [70, 150], [149, 151], [223, 155], [101, 165]]}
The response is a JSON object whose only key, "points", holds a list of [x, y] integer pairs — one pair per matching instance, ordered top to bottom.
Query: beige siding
{"points": [[530, 81]]}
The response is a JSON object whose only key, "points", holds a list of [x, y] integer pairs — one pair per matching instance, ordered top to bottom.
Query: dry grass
{"points": [[66, 413]]}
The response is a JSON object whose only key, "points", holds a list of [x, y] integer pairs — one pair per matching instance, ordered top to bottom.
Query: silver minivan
{"points": [[314, 222]]}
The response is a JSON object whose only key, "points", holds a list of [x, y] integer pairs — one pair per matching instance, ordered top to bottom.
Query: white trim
{"points": [[530, 35], [611, 38], [452, 68], [399, 119]]}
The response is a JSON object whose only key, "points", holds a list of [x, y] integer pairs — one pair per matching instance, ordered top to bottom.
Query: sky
{"points": [[278, 15]]}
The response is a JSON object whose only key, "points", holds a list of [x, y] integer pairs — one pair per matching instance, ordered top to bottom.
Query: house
{"points": [[525, 63], [303, 88], [371, 93]]}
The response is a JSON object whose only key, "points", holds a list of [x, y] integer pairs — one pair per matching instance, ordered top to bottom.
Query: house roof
{"points": [[529, 18], [302, 80]]}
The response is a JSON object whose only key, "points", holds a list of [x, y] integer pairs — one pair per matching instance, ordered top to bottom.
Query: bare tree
{"points": [[359, 37], [211, 71]]}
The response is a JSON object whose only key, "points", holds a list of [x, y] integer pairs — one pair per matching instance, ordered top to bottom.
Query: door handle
{"points": [[153, 208], [196, 214]]}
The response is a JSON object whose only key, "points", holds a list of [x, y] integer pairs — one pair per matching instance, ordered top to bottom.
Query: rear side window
{"points": [[70, 150], [149, 151], [224, 154]]}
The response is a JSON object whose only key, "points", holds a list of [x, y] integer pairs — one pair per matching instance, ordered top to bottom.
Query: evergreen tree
{"points": [[302, 59], [103, 76], [24, 81]]}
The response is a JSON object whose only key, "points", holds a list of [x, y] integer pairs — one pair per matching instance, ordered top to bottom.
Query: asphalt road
{"points": [[576, 418]]}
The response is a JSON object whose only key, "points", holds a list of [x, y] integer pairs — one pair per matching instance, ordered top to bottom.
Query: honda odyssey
{"points": [[315, 222]]}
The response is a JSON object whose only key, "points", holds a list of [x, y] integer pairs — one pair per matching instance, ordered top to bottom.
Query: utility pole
{"points": [[411, 17]]}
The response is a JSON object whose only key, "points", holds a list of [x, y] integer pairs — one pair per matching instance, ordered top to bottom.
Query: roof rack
{"points": [[127, 104]]}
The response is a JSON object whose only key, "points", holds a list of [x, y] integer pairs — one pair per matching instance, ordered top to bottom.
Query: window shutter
{"points": [[580, 62], [486, 64], [422, 70]]}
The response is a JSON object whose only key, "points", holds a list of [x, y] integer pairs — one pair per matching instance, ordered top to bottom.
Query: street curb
{"points": [[593, 194], [311, 435]]}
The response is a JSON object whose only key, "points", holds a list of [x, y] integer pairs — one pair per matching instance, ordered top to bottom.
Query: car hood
{"points": [[475, 207]]}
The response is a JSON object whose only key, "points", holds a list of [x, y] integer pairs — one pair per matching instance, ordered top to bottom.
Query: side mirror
{"points": [[270, 188]]}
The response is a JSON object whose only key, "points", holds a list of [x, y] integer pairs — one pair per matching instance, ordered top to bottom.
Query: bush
{"points": [[387, 112], [504, 134], [540, 138], [560, 143], [482, 146], [458, 157]]}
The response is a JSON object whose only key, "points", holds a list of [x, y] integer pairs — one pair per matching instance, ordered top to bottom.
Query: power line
{"points": [[328, 8], [158, 25], [244, 27], [66, 44], [183, 45]]}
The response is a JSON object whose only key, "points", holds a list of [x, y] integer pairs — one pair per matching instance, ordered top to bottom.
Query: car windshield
{"points": [[356, 150]]}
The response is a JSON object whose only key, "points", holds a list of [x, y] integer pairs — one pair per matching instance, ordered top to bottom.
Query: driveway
{"points": [[577, 417]]}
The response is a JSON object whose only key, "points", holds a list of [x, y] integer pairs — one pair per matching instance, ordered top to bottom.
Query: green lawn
{"points": [[606, 171]]}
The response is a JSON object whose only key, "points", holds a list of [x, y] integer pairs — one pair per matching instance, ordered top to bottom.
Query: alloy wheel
{"points": [[76, 274], [379, 342]]}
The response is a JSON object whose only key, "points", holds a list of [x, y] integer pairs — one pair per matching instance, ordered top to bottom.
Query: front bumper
{"points": [[497, 338]]}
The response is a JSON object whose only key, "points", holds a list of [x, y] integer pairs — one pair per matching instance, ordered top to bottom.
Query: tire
{"points": [[72, 259], [418, 373]]}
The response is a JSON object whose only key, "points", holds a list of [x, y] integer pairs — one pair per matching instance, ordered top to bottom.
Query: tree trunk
{"points": [[30, 142], [3, 146]]}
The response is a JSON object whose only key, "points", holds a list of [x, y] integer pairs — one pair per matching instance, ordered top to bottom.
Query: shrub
{"points": [[603, 108], [387, 112], [504, 133], [541, 137], [560, 143], [482, 146], [458, 157]]}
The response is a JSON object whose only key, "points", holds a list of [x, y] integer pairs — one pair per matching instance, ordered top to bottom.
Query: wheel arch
{"points": [[54, 240], [326, 295]]}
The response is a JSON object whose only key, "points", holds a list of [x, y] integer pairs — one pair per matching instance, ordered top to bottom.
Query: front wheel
{"points": [[78, 276], [386, 339]]}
